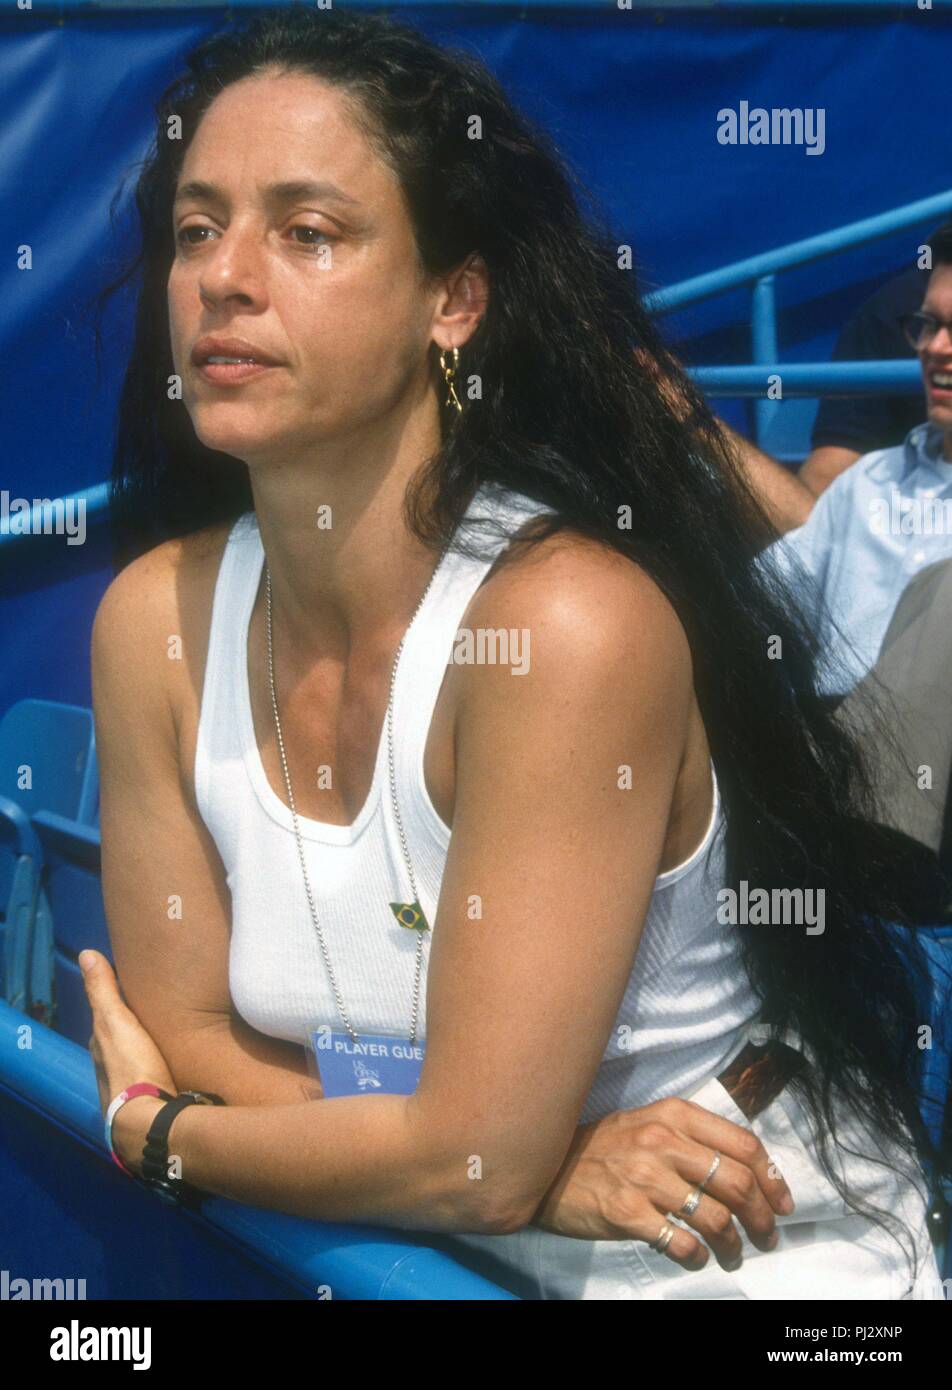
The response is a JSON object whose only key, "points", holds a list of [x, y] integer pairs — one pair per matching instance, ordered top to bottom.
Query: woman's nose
{"points": [[233, 267]]}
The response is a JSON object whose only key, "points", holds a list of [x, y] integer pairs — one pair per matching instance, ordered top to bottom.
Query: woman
{"points": [[537, 706]]}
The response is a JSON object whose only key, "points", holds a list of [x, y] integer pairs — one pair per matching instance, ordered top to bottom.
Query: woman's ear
{"points": [[462, 303]]}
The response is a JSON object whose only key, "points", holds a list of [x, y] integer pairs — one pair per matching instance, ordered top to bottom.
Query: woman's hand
{"points": [[122, 1053], [626, 1172]]}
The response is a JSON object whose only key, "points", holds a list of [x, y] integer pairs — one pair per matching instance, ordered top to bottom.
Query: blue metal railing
{"points": [[814, 248], [759, 273], [811, 378], [56, 1076]]}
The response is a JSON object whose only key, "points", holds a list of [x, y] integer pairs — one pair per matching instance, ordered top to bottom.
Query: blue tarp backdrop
{"points": [[631, 97]]}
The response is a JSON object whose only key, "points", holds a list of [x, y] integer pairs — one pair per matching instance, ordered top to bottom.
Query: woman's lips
{"points": [[233, 373]]}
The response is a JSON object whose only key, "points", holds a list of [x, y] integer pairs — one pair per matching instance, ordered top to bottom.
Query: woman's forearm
{"points": [[243, 1066], [357, 1158]]}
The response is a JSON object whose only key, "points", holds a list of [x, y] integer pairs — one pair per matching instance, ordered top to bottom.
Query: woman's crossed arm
{"points": [[547, 882]]}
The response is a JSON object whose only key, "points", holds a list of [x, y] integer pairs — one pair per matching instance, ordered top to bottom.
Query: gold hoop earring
{"points": [[449, 376]]}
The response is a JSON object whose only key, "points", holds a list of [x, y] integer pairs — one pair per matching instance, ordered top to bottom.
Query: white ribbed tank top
{"points": [[688, 998], [687, 1008]]}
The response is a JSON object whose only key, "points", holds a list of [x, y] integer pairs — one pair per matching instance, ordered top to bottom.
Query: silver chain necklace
{"points": [[403, 907]]}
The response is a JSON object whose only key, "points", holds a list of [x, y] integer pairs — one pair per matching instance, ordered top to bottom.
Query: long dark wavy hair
{"points": [[586, 410]]}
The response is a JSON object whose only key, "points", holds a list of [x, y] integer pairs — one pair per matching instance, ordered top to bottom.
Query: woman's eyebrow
{"points": [[274, 193]]}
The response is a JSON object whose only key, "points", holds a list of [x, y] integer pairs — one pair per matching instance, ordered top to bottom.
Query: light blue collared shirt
{"points": [[884, 519]]}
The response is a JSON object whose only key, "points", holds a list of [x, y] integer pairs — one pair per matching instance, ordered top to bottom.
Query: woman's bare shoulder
{"points": [[170, 578], [574, 584], [151, 624], [598, 634], [604, 680]]}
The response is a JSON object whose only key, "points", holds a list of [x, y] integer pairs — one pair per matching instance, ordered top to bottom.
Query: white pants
{"points": [[825, 1251]]}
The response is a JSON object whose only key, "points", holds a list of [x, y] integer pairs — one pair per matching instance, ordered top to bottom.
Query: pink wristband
{"points": [[140, 1088]]}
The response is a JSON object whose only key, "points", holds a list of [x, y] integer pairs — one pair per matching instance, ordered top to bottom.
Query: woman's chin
{"points": [[247, 445]]}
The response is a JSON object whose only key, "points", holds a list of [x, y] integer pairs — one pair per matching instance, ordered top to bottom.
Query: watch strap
{"points": [[155, 1155]]}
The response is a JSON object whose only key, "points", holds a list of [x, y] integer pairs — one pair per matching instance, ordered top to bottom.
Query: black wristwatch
{"points": [[155, 1155]]}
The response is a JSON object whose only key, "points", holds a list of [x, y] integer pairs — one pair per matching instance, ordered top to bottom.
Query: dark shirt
{"points": [[873, 333]]}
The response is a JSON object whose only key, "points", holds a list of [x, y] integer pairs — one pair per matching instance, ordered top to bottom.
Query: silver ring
{"points": [[715, 1164], [691, 1202], [663, 1239]]}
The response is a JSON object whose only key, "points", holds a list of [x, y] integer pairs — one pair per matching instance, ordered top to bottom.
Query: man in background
{"points": [[847, 427], [872, 563]]}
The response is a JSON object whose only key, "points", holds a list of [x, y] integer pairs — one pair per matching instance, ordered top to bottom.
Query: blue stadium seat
{"points": [[47, 762], [72, 887], [937, 1059], [935, 1068], [936, 1073]]}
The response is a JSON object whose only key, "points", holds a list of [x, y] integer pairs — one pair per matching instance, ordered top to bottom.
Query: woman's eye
{"points": [[314, 232], [184, 235], [314, 237]]}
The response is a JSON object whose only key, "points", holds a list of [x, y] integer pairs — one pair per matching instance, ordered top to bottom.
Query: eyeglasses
{"points": [[921, 328]]}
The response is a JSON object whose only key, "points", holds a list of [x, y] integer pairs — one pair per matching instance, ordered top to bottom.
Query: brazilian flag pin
{"points": [[410, 915]]}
